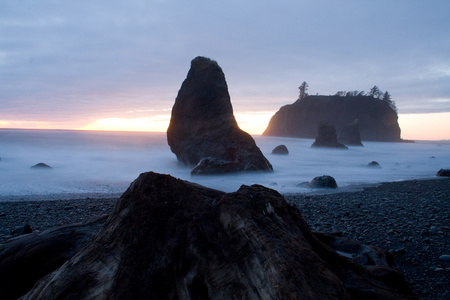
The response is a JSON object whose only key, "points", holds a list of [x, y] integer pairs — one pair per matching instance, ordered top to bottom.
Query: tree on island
{"points": [[303, 88], [375, 92], [350, 93], [355, 93], [387, 98]]}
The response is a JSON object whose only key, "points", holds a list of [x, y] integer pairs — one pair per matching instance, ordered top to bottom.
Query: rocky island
{"points": [[376, 120]]}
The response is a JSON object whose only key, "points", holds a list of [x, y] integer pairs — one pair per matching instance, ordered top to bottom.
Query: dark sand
{"points": [[411, 219]]}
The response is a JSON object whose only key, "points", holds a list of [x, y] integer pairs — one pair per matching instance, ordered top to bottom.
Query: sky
{"points": [[118, 65]]}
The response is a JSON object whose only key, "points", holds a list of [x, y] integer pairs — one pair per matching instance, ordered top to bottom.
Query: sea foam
{"points": [[91, 164]]}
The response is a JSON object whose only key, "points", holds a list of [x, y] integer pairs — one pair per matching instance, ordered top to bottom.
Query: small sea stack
{"points": [[350, 135], [327, 138]]}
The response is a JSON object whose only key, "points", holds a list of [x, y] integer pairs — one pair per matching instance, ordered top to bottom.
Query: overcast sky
{"points": [[73, 62]]}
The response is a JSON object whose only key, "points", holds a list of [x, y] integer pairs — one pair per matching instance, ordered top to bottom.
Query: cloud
{"points": [[88, 60]]}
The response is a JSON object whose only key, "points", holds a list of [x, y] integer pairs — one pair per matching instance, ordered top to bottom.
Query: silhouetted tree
{"points": [[303, 88], [375, 92], [352, 93], [387, 98]]}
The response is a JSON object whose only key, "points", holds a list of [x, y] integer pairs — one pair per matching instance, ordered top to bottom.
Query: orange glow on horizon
{"points": [[157, 123], [253, 123], [432, 126]]}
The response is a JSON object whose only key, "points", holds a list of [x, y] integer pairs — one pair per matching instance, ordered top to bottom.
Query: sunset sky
{"points": [[118, 65]]}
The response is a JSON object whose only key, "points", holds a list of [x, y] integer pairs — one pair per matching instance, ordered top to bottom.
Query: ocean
{"points": [[103, 164]]}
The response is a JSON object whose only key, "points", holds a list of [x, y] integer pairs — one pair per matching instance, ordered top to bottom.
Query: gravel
{"points": [[41, 215], [411, 219]]}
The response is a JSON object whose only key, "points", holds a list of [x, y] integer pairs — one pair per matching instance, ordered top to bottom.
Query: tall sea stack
{"points": [[203, 130]]}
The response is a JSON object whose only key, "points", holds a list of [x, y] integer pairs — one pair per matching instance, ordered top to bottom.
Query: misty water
{"points": [[103, 164]]}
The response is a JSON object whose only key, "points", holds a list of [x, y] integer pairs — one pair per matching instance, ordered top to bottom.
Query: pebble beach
{"points": [[411, 219]]}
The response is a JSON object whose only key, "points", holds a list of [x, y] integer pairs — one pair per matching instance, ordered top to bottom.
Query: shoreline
{"points": [[352, 188], [58, 197], [410, 218]]}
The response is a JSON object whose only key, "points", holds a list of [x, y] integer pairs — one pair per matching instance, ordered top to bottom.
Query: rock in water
{"points": [[202, 124], [350, 135], [327, 137], [280, 149], [374, 164], [212, 165], [41, 166], [443, 173], [171, 239]]}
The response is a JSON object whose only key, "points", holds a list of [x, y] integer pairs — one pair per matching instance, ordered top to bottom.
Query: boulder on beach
{"points": [[202, 124], [350, 135], [327, 138], [280, 149], [41, 166], [443, 173], [324, 181], [172, 239]]}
